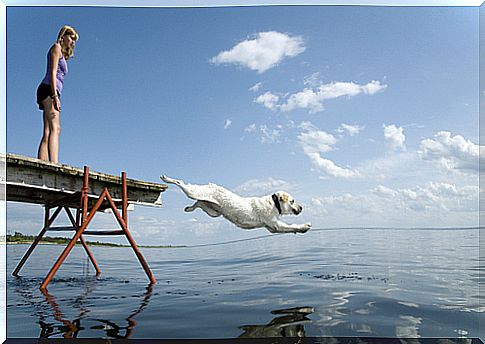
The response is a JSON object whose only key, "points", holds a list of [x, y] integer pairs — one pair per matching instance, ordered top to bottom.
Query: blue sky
{"points": [[368, 116]]}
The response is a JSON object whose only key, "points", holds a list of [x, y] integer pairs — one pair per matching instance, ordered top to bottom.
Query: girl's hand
{"points": [[57, 103]]}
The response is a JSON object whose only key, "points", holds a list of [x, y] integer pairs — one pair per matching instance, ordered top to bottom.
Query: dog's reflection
{"points": [[289, 323], [71, 329]]}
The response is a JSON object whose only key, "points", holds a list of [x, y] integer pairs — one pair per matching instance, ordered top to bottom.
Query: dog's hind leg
{"points": [[171, 180], [188, 189], [196, 192], [209, 208]]}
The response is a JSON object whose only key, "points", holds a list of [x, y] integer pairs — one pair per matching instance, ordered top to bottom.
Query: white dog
{"points": [[244, 212]]}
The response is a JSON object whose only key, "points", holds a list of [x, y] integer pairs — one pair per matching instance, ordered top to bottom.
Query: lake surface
{"points": [[343, 282]]}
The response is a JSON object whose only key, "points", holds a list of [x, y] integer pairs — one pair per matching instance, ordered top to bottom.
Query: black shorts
{"points": [[43, 91]]}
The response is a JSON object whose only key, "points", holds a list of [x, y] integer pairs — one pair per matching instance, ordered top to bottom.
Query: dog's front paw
{"points": [[305, 227]]}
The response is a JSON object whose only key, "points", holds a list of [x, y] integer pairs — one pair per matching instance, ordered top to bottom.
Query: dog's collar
{"points": [[276, 203]]}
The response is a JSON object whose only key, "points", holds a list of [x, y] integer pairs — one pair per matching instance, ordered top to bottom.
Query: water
{"points": [[346, 282]]}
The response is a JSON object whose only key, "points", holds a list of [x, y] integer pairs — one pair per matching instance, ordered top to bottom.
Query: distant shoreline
{"points": [[21, 239], [92, 244]]}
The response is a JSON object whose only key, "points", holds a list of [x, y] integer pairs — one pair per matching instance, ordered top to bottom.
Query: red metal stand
{"points": [[81, 222]]}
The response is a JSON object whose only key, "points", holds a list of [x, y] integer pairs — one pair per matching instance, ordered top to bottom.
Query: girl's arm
{"points": [[54, 56]]}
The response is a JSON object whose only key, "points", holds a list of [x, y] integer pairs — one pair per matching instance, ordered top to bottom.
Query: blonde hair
{"points": [[68, 52]]}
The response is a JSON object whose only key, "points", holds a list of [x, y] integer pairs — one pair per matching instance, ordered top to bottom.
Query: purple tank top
{"points": [[61, 72]]}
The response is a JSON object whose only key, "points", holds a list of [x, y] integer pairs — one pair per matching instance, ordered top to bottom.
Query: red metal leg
{"points": [[84, 195], [124, 196], [78, 217], [47, 222], [130, 238], [73, 241], [83, 242], [90, 255]]}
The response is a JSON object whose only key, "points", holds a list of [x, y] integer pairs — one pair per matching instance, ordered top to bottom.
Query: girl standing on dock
{"points": [[49, 92]]}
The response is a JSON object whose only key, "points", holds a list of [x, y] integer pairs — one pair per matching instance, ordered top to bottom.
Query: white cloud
{"points": [[263, 52], [312, 80], [256, 87], [373, 87], [306, 99], [313, 99], [268, 100], [227, 124], [307, 125], [250, 128], [350, 129], [266, 134], [270, 135], [394, 136], [314, 142], [451, 152], [402, 164], [330, 168], [260, 187], [384, 191], [432, 195], [345, 203], [431, 204], [151, 226], [203, 228]]}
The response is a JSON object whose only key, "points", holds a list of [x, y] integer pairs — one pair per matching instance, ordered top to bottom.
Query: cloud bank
{"points": [[450, 152]]}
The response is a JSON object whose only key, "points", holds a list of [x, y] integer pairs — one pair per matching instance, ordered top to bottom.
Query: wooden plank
{"points": [[36, 181]]}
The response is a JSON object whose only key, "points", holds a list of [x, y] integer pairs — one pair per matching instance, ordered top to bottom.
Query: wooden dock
{"points": [[36, 181], [62, 187]]}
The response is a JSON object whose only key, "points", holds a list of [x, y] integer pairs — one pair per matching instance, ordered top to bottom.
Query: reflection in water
{"points": [[289, 324], [408, 327], [71, 328], [68, 329], [113, 330]]}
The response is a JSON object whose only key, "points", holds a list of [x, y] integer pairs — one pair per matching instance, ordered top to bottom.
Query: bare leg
{"points": [[55, 128], [49, 145], [43, 152]]}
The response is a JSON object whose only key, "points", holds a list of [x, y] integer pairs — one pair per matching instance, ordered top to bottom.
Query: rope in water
{"points": [[320, 229], [248, 239], [228, 242]]}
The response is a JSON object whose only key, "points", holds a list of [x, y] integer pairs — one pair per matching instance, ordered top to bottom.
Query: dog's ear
{"points": [[283, 196]]}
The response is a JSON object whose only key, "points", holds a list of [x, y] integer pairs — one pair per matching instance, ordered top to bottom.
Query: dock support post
{"points": [[47, 222], [124, 226], [83, 242], [71, 244]]}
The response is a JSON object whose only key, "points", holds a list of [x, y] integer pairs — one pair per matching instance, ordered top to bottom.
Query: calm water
{"points": [[347, 282]]}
